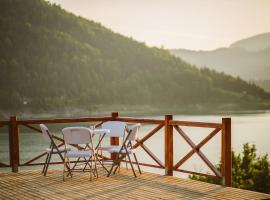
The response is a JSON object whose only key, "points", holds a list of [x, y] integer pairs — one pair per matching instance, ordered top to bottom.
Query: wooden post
{"points": [[114, 140], [14, 144], [168, 146], [226, 155]]}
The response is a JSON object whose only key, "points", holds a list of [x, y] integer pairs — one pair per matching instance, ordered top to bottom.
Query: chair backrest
{"points": [[117, 129], [45, 132], [133, 132], [77, 135]]}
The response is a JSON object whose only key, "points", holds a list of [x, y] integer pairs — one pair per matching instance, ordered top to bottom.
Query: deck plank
{"points": [[31, 184]]}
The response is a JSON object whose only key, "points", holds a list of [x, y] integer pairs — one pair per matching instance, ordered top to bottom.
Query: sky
{"points": [[188, 24]]}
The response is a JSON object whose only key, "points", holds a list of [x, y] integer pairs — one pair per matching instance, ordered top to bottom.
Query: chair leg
{"points": [[102, 159], [95, 160], [89, 162], [126, 162], [86, 163], [115, 163], [118, 163], [69, 164], [75, 164], [102, 164], [131, 165], [47, 166], [117, 167], [69, 168], [91, 168], [139, 168], [64, 169], [109, 173]]}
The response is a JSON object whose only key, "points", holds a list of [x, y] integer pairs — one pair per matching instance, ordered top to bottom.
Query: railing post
{"points": [[114, 140], [14, 144], [168, 146], [226, 155]]}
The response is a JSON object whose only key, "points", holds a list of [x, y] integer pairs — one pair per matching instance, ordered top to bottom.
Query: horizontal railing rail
{"points": [[89, 119], [63, 120], [195, 124], [170, 126]]}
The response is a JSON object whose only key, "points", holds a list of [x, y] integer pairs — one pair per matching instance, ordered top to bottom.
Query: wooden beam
{"points": [[91, 119], [64, 120], [140, 120], [4, 123], [195, 124], [32, 128], [148, 135], [14, 144], [168, 146], [193, 146], [147, 150], [191, 152], [226, 152], [39, 156], [145, 164], [4, 165], [197, 173]]}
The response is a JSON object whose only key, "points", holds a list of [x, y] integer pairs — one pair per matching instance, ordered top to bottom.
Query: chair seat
{"points": [[108, 147], [61, 149], [116, 149], [77, 154]]}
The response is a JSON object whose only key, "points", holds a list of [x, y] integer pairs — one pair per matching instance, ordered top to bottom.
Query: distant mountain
{"points": [[256, 43], [248, 58], [53, 60]]}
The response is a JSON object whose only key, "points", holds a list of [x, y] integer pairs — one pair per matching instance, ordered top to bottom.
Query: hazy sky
{"points": [[190, 24]]}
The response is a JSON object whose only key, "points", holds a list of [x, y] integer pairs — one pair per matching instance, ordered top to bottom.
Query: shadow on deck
{"points": [[33, 185]]}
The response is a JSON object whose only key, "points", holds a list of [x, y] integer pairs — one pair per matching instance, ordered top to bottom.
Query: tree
{"points": [[249, 171]]}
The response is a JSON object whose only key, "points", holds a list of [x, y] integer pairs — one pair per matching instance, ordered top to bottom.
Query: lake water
{"points": [[251, 128]]}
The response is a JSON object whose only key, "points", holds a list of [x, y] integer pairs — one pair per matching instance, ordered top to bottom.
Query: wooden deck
{"points": [[30, 184]]}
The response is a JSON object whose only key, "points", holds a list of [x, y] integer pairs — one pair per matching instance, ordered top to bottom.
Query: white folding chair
{"points": [[116, 129], [79, 136], [53, 148], [126, 150]]}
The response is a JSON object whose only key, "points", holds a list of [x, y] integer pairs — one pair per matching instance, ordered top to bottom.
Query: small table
{"points": [[101, 133]]}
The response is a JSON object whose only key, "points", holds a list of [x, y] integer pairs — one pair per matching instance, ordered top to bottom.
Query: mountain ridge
{"points": [[254, 43], [249, 62]]}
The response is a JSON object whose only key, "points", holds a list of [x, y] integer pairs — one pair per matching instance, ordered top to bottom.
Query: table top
{"points": [[100, 131]]}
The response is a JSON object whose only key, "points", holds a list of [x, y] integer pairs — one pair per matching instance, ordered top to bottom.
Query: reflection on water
{"points": [[252, 128]]}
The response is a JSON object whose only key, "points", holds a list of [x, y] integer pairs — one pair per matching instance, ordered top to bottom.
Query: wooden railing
{"points": [[4, 124], [169, 125]]}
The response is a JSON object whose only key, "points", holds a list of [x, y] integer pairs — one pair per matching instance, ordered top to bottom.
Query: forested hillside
{"points": [[51, 59]]}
